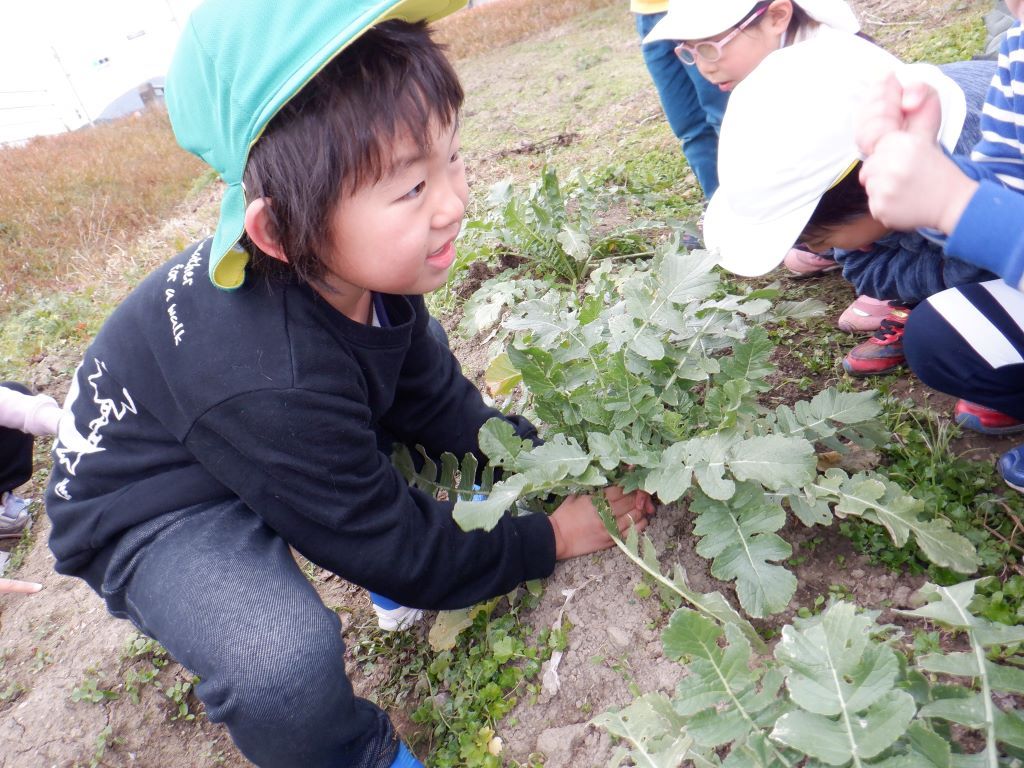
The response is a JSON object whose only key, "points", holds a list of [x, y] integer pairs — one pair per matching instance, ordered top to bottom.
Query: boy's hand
{"points": [[892, 107], [911, 183], [579, 529]]}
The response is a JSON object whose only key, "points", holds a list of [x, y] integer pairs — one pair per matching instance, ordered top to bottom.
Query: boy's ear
{"points": [[778, 15], [259, 226]]}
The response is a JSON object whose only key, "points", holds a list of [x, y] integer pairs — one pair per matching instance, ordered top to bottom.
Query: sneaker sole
{"points": [[815, 273], [882, 372], [974, 424], [1018, 488]]}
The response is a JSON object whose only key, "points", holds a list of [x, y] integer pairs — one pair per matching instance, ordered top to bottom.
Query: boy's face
{"points": [[397, 235], [856, 235]]}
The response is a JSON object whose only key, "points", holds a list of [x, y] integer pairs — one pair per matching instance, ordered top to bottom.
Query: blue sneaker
{"points": [[1011, 467]]}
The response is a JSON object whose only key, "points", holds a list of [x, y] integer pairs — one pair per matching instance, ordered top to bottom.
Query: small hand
{"points": [[579, 530], [12, 586]]}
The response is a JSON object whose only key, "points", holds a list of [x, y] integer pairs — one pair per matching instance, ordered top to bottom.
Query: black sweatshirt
{"points": [[192, 395]]}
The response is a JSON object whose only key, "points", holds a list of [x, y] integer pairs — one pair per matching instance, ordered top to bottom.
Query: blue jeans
{"points": [[693, 106], [223, 594]]}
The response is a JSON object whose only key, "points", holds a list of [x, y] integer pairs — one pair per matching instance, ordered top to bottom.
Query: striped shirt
{"points": [[1002, 121]]}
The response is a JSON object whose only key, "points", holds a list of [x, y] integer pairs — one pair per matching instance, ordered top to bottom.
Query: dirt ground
{"points": [[53, 643]]}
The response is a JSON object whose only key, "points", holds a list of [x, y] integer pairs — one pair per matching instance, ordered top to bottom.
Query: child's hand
{"points": [[891, 107], [911, 183], [579, 529], [11, 586]]}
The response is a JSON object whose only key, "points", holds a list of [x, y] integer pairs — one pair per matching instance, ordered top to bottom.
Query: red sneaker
{"points": [[883, 352], [978, 418]]}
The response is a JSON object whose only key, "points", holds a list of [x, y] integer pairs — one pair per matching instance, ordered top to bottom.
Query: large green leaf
{"points": [[837, 741]]}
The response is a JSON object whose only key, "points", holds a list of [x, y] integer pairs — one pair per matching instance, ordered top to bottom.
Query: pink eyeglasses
{"points": [[711, 50]]}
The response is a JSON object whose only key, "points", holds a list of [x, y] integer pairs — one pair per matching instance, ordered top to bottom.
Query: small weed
{"points": [[40, 659], [11, 691], [89, 691], [181, 695], [104, 739]]}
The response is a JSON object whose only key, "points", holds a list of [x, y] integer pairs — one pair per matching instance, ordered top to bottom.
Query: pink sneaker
{"points": [[803, 263], [865, 314]]}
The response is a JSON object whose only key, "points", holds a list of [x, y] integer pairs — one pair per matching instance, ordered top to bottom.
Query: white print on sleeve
{"points": [[182, 274], [71, 444]]}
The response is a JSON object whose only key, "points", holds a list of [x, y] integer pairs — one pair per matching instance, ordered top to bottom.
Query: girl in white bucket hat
{"points": [[727, 39]]}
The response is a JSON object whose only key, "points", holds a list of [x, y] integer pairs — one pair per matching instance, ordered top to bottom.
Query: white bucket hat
{"points": [[698, 19], [789, 135]]}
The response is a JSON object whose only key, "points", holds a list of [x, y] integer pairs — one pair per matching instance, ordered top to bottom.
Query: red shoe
{"points": [[883, 352], [978, 418]]}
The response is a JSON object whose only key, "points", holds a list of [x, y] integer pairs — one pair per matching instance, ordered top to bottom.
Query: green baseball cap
{"points": [[237, 63]]}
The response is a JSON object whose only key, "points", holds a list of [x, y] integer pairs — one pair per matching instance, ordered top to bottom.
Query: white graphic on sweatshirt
{"points": [[184, 275], [72, 444]]}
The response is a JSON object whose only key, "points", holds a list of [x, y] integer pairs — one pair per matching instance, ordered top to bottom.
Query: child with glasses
{"points": [[726, 39], [692, 106], [238, 405]]}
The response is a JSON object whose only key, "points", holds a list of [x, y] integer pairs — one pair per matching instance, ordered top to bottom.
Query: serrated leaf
{"points": [[498, 440], [484, 514], [740, 537], [834, 671], [653, 729]]}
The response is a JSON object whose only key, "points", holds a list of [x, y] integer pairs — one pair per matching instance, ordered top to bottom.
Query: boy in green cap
{"points": [[209, 431]]}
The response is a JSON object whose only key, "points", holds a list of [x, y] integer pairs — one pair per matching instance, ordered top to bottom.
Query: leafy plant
{"points": [[650, 379], [836, 692]]}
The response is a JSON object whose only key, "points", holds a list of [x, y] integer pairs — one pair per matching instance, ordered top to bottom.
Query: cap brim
{"points": [[677, 26], [747, 246], [227, 262]]}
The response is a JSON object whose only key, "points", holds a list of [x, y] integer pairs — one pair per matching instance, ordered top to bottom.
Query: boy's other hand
{"points": [[891, 107], [911, 183], [579, 529]]}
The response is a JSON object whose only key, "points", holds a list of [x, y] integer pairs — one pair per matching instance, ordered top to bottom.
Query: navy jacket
{"points": [[190, 395]]}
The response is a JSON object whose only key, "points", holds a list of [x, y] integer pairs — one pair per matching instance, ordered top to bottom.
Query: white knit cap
{"points": [[698, 19], [789, 135]]}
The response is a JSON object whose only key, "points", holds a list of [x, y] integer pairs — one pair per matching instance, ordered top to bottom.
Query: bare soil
{"points": [[52, 643]]}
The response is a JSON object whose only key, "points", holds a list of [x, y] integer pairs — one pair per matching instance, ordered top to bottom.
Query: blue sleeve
{"points": [[990, 234], [905, 267]]}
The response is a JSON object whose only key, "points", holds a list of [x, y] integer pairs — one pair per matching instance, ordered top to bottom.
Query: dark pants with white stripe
{"points": [[969, 342]]}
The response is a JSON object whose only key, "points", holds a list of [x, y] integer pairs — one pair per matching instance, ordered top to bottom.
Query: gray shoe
{"points": [[14, 515]]}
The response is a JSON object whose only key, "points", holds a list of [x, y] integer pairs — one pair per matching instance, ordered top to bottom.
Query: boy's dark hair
{"points": [[335, 136], [843, 203]]}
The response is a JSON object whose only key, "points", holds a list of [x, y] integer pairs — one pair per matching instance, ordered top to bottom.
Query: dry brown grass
{"points": [[484, 28], [69, 199], [71, 203]]}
